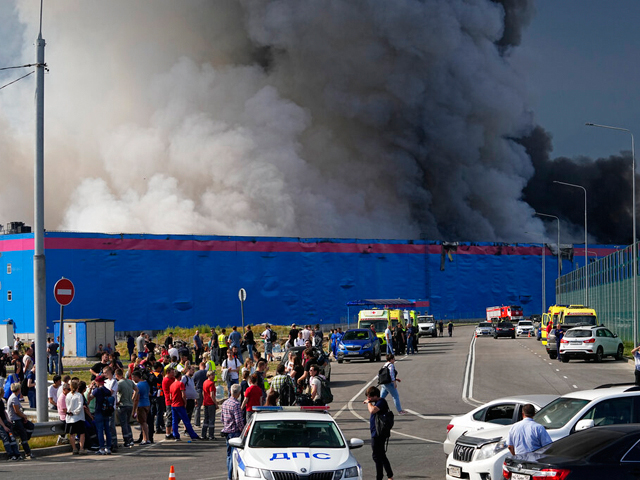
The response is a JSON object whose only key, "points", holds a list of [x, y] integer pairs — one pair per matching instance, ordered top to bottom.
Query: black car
{"points": [[504, 329], [325, 368], [611, 451]]}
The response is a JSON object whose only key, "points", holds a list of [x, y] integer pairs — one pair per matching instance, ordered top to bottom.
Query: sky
{"points": [[581, 59], [362, 119]]}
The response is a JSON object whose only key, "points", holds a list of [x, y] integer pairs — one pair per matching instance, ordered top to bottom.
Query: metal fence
{"points": [[610, 291]]}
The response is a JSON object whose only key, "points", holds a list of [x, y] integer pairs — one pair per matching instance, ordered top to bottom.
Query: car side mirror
{"points": [[584, 424], [236, 442], [356, 443]]}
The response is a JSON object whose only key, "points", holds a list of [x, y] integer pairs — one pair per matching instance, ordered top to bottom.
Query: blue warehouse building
{"points": [[149, 282]]}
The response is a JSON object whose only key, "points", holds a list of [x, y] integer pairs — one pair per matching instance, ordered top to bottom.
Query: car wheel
{"points": [[434, 334], [495, 337], [513, 337], [620, 353], [553, 355], [378, 357], [598, 357], [372, 358], [564, 358], [340, 360]]}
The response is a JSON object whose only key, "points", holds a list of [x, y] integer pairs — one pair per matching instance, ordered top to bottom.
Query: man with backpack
{"points": [[269, 337], [388, 380], [283, 384], [319, 387], [380, 424]]}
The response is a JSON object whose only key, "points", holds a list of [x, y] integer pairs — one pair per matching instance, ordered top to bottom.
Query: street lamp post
{"points": [[633, 207], [559, 256], [586, 264]]}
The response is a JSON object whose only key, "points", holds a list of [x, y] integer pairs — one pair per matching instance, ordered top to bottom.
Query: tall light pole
{"points": [[633, 207], [559, 256], [586, 262], [39, 275]]}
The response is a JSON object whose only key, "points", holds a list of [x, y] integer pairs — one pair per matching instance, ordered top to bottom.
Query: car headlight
{"points": [[367, 345], [341, 346], [491, 449], [252, 472], [351, 472], [337, 475]]}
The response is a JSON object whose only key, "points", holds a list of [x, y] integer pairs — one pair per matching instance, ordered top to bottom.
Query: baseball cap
{"points": [[100, 379]]}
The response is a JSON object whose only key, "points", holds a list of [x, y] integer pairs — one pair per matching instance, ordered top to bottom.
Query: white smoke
{"points": [[291, 117]]}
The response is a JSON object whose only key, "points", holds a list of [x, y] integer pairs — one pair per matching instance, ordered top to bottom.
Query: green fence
{"points": [[610, 291]]}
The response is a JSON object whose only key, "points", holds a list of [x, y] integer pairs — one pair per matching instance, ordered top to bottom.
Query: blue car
{"points": [[359, 343]]}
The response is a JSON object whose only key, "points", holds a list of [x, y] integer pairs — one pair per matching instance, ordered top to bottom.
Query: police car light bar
{"points": [[290, 409]]}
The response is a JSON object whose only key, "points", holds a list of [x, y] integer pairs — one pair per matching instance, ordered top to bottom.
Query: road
{"points": [[432, 389]]}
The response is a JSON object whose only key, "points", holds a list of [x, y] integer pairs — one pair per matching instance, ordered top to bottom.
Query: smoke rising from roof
{"points": [[289, 117]]}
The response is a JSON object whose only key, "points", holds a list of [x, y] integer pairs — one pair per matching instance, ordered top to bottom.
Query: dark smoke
{"points": [[517, 16], [608, 185]]}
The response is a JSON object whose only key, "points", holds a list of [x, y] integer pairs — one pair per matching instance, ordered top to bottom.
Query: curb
{"points": [[47, 451]]}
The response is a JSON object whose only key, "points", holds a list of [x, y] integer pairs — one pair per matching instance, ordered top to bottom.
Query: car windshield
{"points": [[580, 319], [525, 323], [485, 324], [379, 325], [505, 325], [577, 334], [355, 335], [559, 412], [295, 434]]}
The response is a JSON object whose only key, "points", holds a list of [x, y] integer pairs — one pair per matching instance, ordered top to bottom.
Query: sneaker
{"points": [[403, 412], [168, 437], [177, 439], [194, 439], [139, 440], [62, 441], [145, 443], [76, 452], [84, 452], [101, 452], [108, 452], [29, 456], [14, 458]]}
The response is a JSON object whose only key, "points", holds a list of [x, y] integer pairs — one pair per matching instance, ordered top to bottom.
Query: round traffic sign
{"points": [[64, 291], [242, 294]]}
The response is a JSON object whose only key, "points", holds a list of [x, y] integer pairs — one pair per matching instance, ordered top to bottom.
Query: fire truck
{"points": [[509, 313]]}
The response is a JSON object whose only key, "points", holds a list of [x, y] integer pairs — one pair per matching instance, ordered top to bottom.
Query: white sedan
{"points": [[525, 327], [503, 411], [282, 443]]}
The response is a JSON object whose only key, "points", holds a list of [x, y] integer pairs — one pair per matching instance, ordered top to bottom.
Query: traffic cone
{"points": [[172, 473]]}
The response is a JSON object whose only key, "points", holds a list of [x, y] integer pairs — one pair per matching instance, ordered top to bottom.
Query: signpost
{"points": [[63, 291], [242, 295]]}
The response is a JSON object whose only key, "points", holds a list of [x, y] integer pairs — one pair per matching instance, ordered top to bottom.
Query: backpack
{"points": [[273, 336], [322, 359], [384, 375], [13, 378], [325, 391], [287, 393], [108, 406], [384, 424]]}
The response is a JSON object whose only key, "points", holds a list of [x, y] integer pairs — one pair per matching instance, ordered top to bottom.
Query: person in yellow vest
{"points": [[223, 344], [211, 365]]}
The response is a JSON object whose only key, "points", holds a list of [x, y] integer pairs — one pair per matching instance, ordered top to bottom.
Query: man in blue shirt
{"points": [[234, 341], [378, 406], [527, 435]]}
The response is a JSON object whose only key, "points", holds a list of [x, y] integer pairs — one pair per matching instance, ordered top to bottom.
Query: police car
{"points": [[294, 443]]}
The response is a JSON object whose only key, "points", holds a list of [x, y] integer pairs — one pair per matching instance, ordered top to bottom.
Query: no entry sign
{"points": [[64, 291]]}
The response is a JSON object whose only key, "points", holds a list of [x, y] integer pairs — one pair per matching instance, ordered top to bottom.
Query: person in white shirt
{"points": [[306, 333], [388, 336], [300, 340], [268, 344], [173, 352], [27, 361], [112, 384], [53, 392], [74, 422]]}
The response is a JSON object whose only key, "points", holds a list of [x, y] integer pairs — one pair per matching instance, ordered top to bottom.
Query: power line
{"points": [[20, 66], [17, 80]]}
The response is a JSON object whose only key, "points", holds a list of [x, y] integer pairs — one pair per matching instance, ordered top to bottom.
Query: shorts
{"points": [[268, 348], [143, 414], [168, 418], [75, 428]]}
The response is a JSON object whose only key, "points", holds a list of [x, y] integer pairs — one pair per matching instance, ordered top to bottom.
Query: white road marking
{"points": [[557, 369], [564, 376], [575, 386], [467, 387], [340, 411], [430, 417], [366, 420]]}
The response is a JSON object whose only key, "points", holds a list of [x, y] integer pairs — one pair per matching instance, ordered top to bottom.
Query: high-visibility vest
{"points": [[222, 340], [211, 367]]}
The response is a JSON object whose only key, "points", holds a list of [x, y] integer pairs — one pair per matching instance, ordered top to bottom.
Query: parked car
{"points": [[427, 326], [525, 327], [484, 328], [504, 329], [590, 342], [359, 343], [325, 368], [502, 411], [610, 451], [482, 454]]}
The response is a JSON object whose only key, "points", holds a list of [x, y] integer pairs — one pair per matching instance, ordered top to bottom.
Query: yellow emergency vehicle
{"points": [[553, 315], [380, 319]]}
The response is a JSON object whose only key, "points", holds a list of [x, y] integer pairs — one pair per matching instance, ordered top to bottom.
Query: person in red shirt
{"points": [[168, 379], [178, 395], [252, 397], [210, 404]]}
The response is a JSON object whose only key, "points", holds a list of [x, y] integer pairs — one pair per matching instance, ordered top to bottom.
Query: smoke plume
{"points": [[353, 118]]}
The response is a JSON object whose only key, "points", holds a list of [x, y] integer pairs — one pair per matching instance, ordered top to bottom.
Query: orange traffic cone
{"points": [[172, 473]]}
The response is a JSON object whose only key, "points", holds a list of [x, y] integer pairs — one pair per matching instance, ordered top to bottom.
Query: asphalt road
{"points": [[432, 389]]}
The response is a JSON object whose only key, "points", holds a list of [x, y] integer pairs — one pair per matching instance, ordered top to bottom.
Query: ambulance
{"points": [[553, 315], [380, 319]]}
